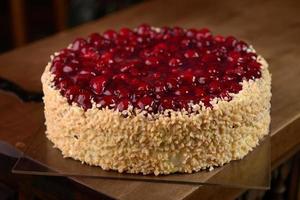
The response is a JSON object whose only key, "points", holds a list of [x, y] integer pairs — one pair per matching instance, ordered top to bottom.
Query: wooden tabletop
{"points": [[273, 27]]}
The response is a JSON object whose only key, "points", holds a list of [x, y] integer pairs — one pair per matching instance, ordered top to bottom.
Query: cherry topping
{"points": [[110, 35], [78, 44], [191, 54], [152, 61], [175, 62], [71, 68], [153, 69], [64, 84], [98, 84], [214, 87], [72, 92], [199, 92], [84, 99], [105, 101], [143, 102], [123, 104]]}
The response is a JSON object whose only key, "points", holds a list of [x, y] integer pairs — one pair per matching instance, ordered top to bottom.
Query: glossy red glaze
{"points": [[153, 69]]}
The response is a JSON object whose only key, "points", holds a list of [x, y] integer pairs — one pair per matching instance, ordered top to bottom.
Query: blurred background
{"points": [[24, 21]]}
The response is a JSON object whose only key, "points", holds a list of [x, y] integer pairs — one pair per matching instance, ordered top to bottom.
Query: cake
{"points": [[154, 100]]}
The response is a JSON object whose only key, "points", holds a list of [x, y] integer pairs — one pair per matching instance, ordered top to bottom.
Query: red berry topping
{"points": [[78, 44], [191, 54], [152, 61], [175, 62], [153, 69], [98, 84], [84, 99], [144, 102], [123, 104]]}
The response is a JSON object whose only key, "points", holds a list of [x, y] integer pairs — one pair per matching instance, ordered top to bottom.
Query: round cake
{"points": [[156, 100]]}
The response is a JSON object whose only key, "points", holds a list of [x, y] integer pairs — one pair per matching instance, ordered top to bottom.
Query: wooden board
{"points": [[273, 27], [19, 120]]}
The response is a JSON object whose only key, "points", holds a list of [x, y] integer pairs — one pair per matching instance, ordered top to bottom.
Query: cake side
{"points": [[177, 142]]}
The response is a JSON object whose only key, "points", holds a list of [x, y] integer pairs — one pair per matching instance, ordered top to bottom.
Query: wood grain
{"points": [[18, 22], [273, 27], [19, 120]]}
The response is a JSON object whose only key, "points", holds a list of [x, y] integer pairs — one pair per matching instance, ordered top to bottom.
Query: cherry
{"points": [[143, 29], [126, 32], [178, 32], [191, 33], [110, 34], [203, 34], [219, 38], [95, 40], [230, 41], [185, 43], [78, 44], [241, 46], [160, 48], [89, 53], [191, 54], [233, 56], [250, 57], [107, 58], [209, 58], [152, 61], [175, 62], [253, 65], [126, 66], [71, 67], [56, 68], [213, 70], [133, 71], [252, 74], [156, 75], [188, 76], [120, 77], [229, 77], [82, 80], [202, 80], [171, 83], [64, 84], [98, 84], [143, 86], [159, 87], [214, 87], [234, 87], [182, 91], [72, 92], [108, 92], [122, 92], [199, 92], [84, 99], [206, 100], [105, 101], [144, 101], [166, 103], [123, 104]]}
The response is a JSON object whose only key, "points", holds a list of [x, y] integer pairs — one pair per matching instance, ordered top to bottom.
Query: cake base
{"points": [[176, 142]]}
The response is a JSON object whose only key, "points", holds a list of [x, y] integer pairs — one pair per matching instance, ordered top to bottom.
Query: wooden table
{"points": [[273, 27]]}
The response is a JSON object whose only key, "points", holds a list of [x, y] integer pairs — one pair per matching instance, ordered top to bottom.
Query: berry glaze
{"points": [[153, 69]]}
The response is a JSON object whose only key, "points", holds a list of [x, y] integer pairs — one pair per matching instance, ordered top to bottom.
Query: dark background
{"points": [[24, 21]]}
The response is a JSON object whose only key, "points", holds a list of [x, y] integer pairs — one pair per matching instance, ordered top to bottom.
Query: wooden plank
{"points": [[60, 8], [17, 10], [271, 26], [19, 120]]}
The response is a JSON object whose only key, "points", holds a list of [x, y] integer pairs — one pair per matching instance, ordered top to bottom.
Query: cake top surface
{"points": [[153, 69]]}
